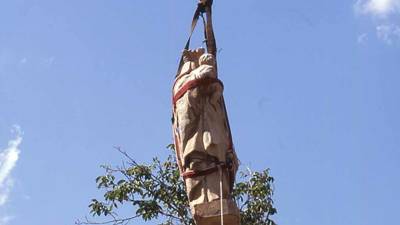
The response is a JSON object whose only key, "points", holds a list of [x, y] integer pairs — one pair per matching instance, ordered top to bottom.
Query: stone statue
{"points": [[202, 138]]}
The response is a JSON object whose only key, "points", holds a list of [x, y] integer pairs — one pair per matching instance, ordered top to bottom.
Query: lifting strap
{"points": [[203, 7], [193, 84], [193, 174]]}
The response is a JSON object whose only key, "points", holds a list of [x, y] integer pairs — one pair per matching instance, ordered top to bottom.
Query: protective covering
{"points": [[203, 140]]}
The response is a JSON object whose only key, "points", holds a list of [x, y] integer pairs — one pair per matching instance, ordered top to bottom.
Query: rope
{"points": [[221, 195]]}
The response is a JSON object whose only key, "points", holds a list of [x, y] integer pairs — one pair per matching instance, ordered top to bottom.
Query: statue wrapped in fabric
{"points": [[203, 140]]}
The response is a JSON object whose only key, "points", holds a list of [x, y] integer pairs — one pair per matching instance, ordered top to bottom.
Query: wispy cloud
{"points": [[381, 8], [385, 15], [388, 33], [362, 38], [24, 60], [49, 61], [8, 160], [5, 220]]}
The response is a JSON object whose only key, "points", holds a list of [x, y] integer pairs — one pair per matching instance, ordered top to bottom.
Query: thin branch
{"points": [[114, 221]]}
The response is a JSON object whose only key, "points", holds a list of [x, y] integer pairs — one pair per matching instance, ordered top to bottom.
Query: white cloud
{"points": [[381, 8], [385, 15], [388, 33], [362, 38], [23, 60], [49, 61], [8, 160], [5, 190], [5, 220]]}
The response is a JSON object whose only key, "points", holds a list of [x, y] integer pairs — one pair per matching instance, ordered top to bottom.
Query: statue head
{"points": [[192, 55], [207, 59], [190, 60]]}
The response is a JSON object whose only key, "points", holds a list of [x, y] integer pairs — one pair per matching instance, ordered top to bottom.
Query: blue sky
{"points": [[312, 89]]}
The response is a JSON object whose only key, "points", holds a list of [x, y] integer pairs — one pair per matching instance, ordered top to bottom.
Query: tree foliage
{"points": [[156, 191]]}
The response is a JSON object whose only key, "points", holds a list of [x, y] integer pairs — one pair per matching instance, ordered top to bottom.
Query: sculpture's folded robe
{"points": [[202, 135]]}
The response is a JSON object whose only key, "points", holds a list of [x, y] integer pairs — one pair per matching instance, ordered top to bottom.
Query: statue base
{"points": [[210, 213]]}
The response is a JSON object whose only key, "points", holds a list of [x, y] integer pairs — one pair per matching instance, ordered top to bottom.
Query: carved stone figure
{"points": [[202, 137]]}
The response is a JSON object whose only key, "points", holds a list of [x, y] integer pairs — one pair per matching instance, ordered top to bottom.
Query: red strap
{"points": [[193, 84], [193, 174]]}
